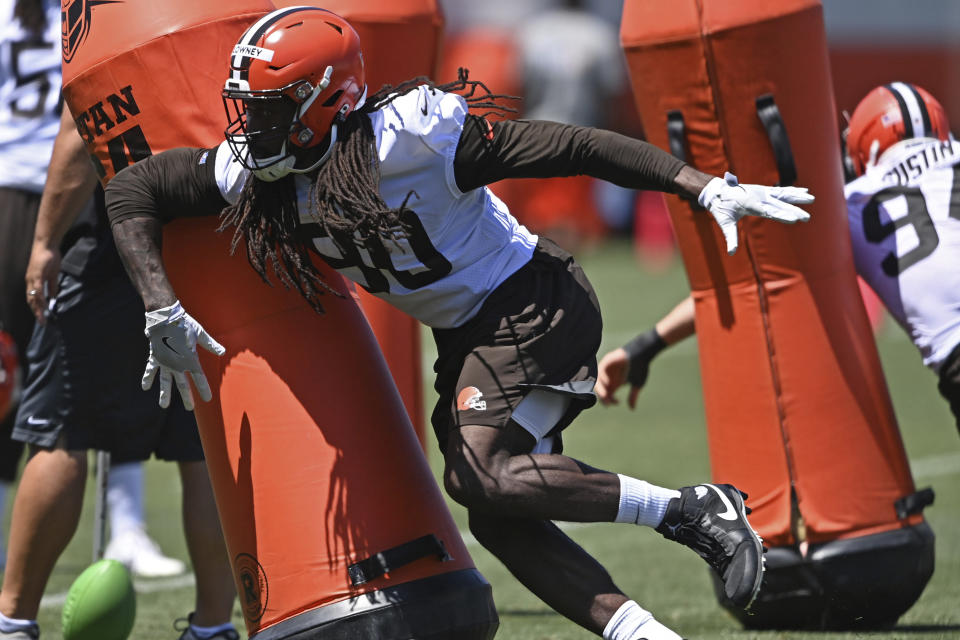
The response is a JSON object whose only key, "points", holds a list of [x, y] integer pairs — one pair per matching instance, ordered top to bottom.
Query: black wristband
{"points": [[641, 350]]}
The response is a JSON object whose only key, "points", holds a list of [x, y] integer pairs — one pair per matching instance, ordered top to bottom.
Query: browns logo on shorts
{"points": [[539, 329], [470, 398]]}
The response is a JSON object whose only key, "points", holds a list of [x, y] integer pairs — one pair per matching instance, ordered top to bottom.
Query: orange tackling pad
{"points": [[797, 408], [314, 463]]}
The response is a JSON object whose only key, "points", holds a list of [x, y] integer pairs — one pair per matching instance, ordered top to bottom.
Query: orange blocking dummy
{"points": [[415, 27], [798, 412], [332, 519]]}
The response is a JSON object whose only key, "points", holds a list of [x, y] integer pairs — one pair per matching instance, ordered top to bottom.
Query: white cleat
{"points": [[142, 556]]}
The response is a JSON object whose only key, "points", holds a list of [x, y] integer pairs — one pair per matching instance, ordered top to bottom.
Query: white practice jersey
{"points": [[29, 97], [905, 227], [458, 246]]}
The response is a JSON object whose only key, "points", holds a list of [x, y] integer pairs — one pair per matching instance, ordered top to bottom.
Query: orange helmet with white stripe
{"points": [[294, 75], [890, 114]]}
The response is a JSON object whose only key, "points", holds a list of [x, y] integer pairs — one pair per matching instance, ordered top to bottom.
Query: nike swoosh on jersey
{"points": [[167, 344], [731, 512]]}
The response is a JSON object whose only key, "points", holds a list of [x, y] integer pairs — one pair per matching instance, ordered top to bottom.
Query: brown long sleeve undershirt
{"points": [[488, 152], [172, 184], [177, 184]]}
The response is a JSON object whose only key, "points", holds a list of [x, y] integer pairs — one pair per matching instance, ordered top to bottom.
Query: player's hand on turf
{"points": [[728, 201], [42, 279], [174, 336], [614, 371]]}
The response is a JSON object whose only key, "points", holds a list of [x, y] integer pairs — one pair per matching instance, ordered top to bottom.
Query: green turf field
{"points": [[663, 442]]}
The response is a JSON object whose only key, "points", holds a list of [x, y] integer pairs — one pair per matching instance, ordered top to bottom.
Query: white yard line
{"points": [[934, 466], [923, 469]]}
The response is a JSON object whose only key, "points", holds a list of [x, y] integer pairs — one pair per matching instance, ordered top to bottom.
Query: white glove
{"points": [[728, 201], [173, 338]]}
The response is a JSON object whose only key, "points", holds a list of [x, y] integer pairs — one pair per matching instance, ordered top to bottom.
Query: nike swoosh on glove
{"points": [[728, 201], [174, 336]]}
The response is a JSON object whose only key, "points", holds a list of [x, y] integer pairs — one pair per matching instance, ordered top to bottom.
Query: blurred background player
{"points": [[29, 108], [28, 123], [903, 206], [9, 390], [71, 399]]}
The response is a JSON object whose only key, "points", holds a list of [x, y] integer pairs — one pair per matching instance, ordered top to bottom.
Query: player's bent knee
{"points": [[474, 488]]}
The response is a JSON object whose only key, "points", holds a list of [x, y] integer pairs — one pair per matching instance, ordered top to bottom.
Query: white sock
{"points": [[125, 498], [643, 503], [633, 622], [9, 625], [206, 632]]}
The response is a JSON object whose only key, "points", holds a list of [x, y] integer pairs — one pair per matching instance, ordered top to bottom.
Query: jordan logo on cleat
{"points": [[700, 491]]}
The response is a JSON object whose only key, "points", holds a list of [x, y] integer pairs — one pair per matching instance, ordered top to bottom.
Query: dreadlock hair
{"points": [[31, 15], [345, 198]]}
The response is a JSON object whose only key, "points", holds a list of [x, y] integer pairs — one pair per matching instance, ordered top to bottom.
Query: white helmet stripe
{"points": [[240, 63], [914, 108]]}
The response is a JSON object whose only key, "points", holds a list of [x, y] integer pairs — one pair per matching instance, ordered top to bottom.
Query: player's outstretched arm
{"points": [[488, 152], [134, 199], [173, 333], [631, 362]]}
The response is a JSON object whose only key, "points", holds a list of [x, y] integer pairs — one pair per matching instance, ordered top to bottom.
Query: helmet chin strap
{"points": [[287, 164]]}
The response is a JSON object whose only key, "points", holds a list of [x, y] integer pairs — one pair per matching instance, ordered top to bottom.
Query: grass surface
{"points": [[662, 442]]}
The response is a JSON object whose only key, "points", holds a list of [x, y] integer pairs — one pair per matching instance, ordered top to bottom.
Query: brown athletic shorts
{"points": [[540, 329]]}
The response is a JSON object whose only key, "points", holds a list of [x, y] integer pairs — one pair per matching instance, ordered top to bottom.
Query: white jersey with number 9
{"points": [[905, 226]]}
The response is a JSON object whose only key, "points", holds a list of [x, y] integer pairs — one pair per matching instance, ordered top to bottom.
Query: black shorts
{"points": [[18, 217], [540, 329], [84, 367], [950, 382]]}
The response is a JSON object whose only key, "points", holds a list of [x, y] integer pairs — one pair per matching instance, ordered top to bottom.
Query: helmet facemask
{"points": [[295, 75], [266, 131]]}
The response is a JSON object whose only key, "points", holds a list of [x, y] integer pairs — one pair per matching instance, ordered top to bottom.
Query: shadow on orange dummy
{"points": [[798, 412], [332, 518]]}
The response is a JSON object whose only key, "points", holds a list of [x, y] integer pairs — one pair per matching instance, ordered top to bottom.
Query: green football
{"points": [[101, 604]]}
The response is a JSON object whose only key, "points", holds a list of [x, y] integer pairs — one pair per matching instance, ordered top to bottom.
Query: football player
{"points": [[390, 190], [903, 205]]}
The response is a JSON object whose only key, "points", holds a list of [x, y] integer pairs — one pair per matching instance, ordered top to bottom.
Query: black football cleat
{"points": [[711, 519]]}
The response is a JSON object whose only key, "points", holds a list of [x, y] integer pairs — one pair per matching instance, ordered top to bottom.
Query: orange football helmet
{"points": [[294, 75], [890, 114], [9, 373]]}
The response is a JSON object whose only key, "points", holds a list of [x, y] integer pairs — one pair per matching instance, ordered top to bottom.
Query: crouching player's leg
{"points": [[509, 381]]}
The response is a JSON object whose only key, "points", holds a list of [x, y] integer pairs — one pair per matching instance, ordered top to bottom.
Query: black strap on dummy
{"points": [[772, 121], [677, 135], [677, 138], [914, 503], [391, 559]]}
